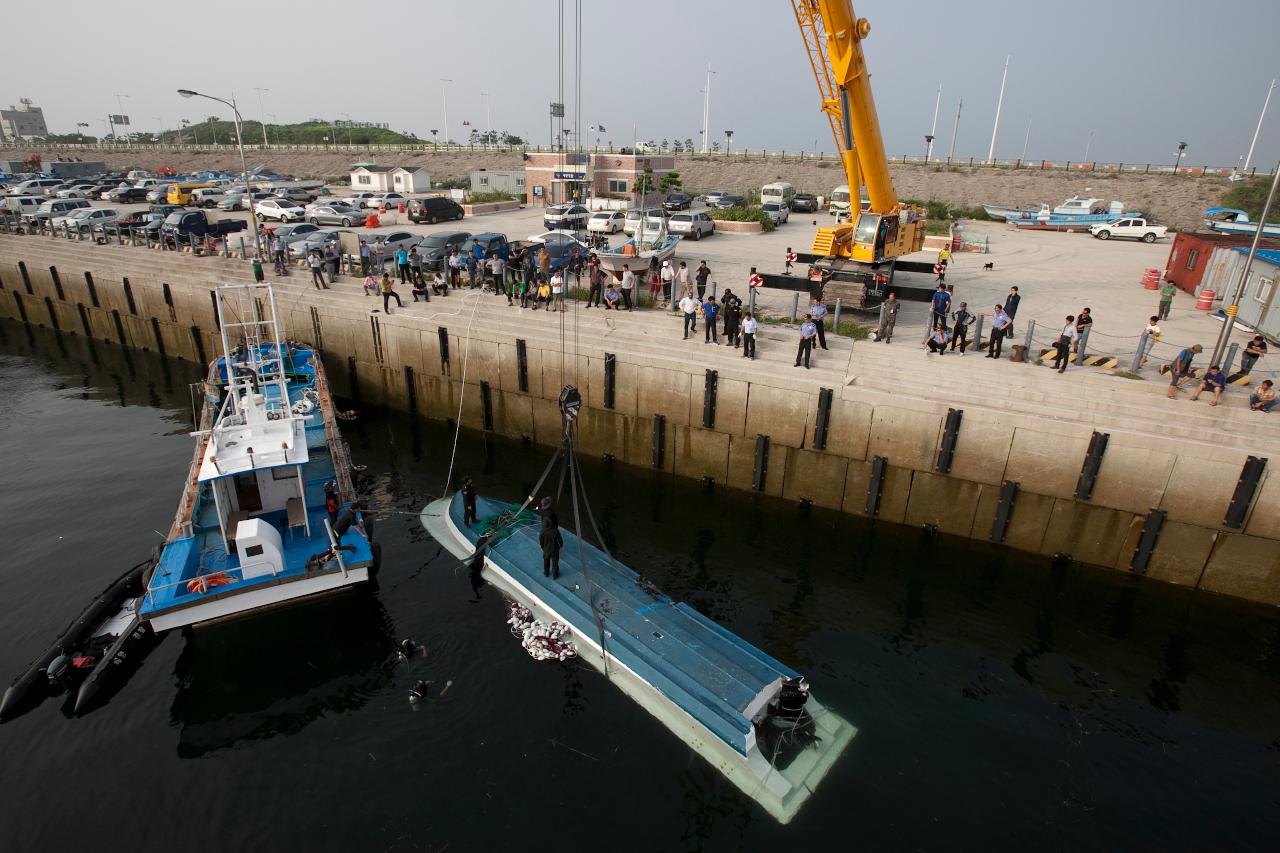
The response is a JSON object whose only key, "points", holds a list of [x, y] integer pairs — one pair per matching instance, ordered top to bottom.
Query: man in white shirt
{"points": [[668, 276], [628, 285], [557, 291], [689, 307], [749, 326], [1068, 336]]}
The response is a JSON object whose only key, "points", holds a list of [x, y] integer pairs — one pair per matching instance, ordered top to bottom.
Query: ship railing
{"points": [[236, 575]]}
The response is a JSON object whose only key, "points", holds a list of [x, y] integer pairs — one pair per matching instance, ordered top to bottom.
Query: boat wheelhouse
{"points": [[253, 528]]}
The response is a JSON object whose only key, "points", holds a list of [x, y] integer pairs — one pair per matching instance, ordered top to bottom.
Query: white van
{"points": [[35, 186], [779, 191], [839, 203], [22, 204]]}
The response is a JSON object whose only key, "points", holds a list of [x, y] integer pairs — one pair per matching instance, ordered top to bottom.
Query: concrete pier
{"points": [[1083, 464]]}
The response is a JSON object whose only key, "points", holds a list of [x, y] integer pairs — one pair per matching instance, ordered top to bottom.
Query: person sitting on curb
{"points": [[611, 297], [1180, 370], [1213, 380], [1263, 398]]}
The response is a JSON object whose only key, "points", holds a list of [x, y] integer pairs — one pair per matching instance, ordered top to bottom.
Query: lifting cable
{"points": [[571, 463]]}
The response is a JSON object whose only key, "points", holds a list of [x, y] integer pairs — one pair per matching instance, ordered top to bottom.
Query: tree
{"points": [[665, 145], [688, 145], [715, 147], [33, 163], [670, 182], [644, 183]]}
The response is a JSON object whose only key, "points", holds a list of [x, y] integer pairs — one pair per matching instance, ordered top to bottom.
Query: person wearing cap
{"points": [[668, 276], [961, 320], [1253, 351], [1180, 369], [1214, 381], [468, 501]]}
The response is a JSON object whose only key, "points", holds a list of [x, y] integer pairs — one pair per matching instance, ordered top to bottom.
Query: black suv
{"points": [[806, 202], [434, 209]]}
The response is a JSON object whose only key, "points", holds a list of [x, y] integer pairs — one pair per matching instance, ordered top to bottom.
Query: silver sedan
{"points": [[335, 214]]}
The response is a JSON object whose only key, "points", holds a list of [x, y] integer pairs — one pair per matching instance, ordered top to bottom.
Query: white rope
{"points": [[457, 426]]}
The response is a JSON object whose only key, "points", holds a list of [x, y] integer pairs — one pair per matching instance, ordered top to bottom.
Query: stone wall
{"points": [[163, 301]]}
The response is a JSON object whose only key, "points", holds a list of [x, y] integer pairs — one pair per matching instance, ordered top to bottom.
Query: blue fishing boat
{"points": [[1046, 220], [1231, 220], [252, 529], [748, 714]]}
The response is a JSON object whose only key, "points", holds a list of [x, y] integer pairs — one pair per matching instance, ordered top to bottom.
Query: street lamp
{"points": [[444, 97], [120, 103], [82, 124], [434, 131], [728, 141], [928, 147], [1177, 161], [244, 166]]}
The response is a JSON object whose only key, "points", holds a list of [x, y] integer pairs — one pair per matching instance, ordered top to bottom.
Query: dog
{"points": [[989, 265]]}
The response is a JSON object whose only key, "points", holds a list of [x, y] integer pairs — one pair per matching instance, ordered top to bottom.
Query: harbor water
{"points": [[1002, 700]]}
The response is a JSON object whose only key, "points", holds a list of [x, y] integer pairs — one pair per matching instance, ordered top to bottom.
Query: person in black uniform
{"points": [[468, 501], [346, 521], [550, 539]]}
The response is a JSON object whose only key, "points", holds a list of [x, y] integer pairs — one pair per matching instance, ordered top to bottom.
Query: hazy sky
{"points": [[1141, 75]]}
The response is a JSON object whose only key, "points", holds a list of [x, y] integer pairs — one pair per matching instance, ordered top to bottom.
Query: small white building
{"points": [[367, 176], [410, 179]]}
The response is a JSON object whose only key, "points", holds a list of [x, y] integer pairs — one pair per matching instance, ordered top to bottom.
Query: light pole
{"points": [[444, 99], [262, 112], [706, 112], [274, 120], [488, 120], [82, 124], [159, 127], [995, 128], [955, 129], [434, 131], [933, 133], [128, 137], [1026, 140], [728, 141], [1087, 146], [928, 147], [1177, 159], [1248, 160], [244, 166], [1234, 307]]}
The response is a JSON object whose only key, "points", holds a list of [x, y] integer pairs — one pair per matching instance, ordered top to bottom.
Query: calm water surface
{"points": [[1002, 702]]}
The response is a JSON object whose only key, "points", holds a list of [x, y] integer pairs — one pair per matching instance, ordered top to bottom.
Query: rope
{"points": [[462, 395], [571, 463]]}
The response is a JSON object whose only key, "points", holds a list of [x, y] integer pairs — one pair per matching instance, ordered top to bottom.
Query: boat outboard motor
{"points": [[58, 670], [792, 697]]}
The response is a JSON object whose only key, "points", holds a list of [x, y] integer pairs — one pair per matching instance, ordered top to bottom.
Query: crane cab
{"points": [[874, 238]]}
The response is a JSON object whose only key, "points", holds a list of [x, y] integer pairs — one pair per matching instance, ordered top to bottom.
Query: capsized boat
{"points": [[1231, 220], [252, 529], [93, 655], [751, 716]]}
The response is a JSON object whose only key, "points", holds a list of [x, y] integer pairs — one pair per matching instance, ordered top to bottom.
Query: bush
{"points": [[1248, 196], [743, 214]]}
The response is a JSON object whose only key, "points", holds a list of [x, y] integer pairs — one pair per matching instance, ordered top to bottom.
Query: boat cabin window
{"points": [[247, 496], [253, 551]]}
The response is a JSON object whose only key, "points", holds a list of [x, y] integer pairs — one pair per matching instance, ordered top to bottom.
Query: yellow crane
{"points": [[865, 248]]}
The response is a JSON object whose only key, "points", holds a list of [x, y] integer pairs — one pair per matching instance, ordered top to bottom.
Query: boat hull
{"points": [[613, 260], [260, 598], [781, 795]]}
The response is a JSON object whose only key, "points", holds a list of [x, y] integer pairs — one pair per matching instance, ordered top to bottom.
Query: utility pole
{"points": [[444, 97], [263, 112], [706, 113], [488, 120], [933, 132], [128, 137], [1026, 140], [1087, 146], [951, 152], [991, 152], [1248, 160], [1231, 310]]}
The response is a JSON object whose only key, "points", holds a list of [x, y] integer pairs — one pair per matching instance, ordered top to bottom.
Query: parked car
{"points": [[76, 190], [98, 191], [157, 193], [126, 195], [207, 197], [713, 197], [358, 199], [236, 200], [388, 200], [677, 201], [727, 201], [805, 202], [24, 206], [55, 208], [165, 209], [279, 209], [434, 209], [776, 211], [334, 214], [572, 216], [86, 217], [653, 220], [136, 222], [606, 222], [188, 224], [695, 225], [1133, 228], [292, 233], [552, 236], [317, 239], [397, 239], [492, 243], [560, 247], [434, 248]]}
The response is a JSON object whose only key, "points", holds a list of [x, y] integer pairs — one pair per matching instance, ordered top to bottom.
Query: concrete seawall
{"points": [[861, 430]]}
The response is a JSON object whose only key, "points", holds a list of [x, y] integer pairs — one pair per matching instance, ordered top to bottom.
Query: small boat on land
{"points": [[1074, 207], [1000, 212], [1046, 220], [1231, 220], [640, 251], [252, 529], [92, 654], [751, 716]]}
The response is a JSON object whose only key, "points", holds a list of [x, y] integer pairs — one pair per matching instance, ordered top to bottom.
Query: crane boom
{"points": [[833, 38]]}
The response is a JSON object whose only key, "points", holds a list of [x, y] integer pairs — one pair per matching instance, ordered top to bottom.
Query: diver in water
{"points": [[468, 501], [409, 649], [419, 691]]}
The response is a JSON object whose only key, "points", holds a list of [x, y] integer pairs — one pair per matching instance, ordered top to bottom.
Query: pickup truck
{"points": [[187, 225], [1136, 229]]}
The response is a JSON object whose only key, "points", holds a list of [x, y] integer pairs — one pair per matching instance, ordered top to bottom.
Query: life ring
{"points": [[204, 583]]}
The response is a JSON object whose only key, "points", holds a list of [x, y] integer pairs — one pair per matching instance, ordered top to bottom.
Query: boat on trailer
{"points": [[1231, 220], [252, 529], [748, 714]]}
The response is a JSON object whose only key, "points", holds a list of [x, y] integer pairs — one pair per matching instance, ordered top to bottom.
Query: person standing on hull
{"points": [[468, 502], [550, 539]]}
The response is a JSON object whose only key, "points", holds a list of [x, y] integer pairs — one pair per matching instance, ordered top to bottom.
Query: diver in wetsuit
{"points": [[347, 520]]}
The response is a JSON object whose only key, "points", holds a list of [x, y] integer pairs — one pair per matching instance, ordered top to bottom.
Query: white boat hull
{"points": [[258, 598], [781, 793]]}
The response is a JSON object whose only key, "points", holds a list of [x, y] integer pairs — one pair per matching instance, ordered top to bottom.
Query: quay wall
{"points": [[504, 376]]}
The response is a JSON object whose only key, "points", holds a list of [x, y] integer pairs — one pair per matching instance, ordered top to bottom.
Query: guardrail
{"points": [[744, 154]]}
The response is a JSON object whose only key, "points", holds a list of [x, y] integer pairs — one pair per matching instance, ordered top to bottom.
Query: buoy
{"points": [[1205, 300]]}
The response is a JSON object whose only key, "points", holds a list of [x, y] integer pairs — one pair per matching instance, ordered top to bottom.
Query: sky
{"points": [[1139, 76]]}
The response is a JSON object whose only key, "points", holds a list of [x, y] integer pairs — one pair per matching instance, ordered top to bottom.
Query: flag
{"points": [[466, 124]]}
